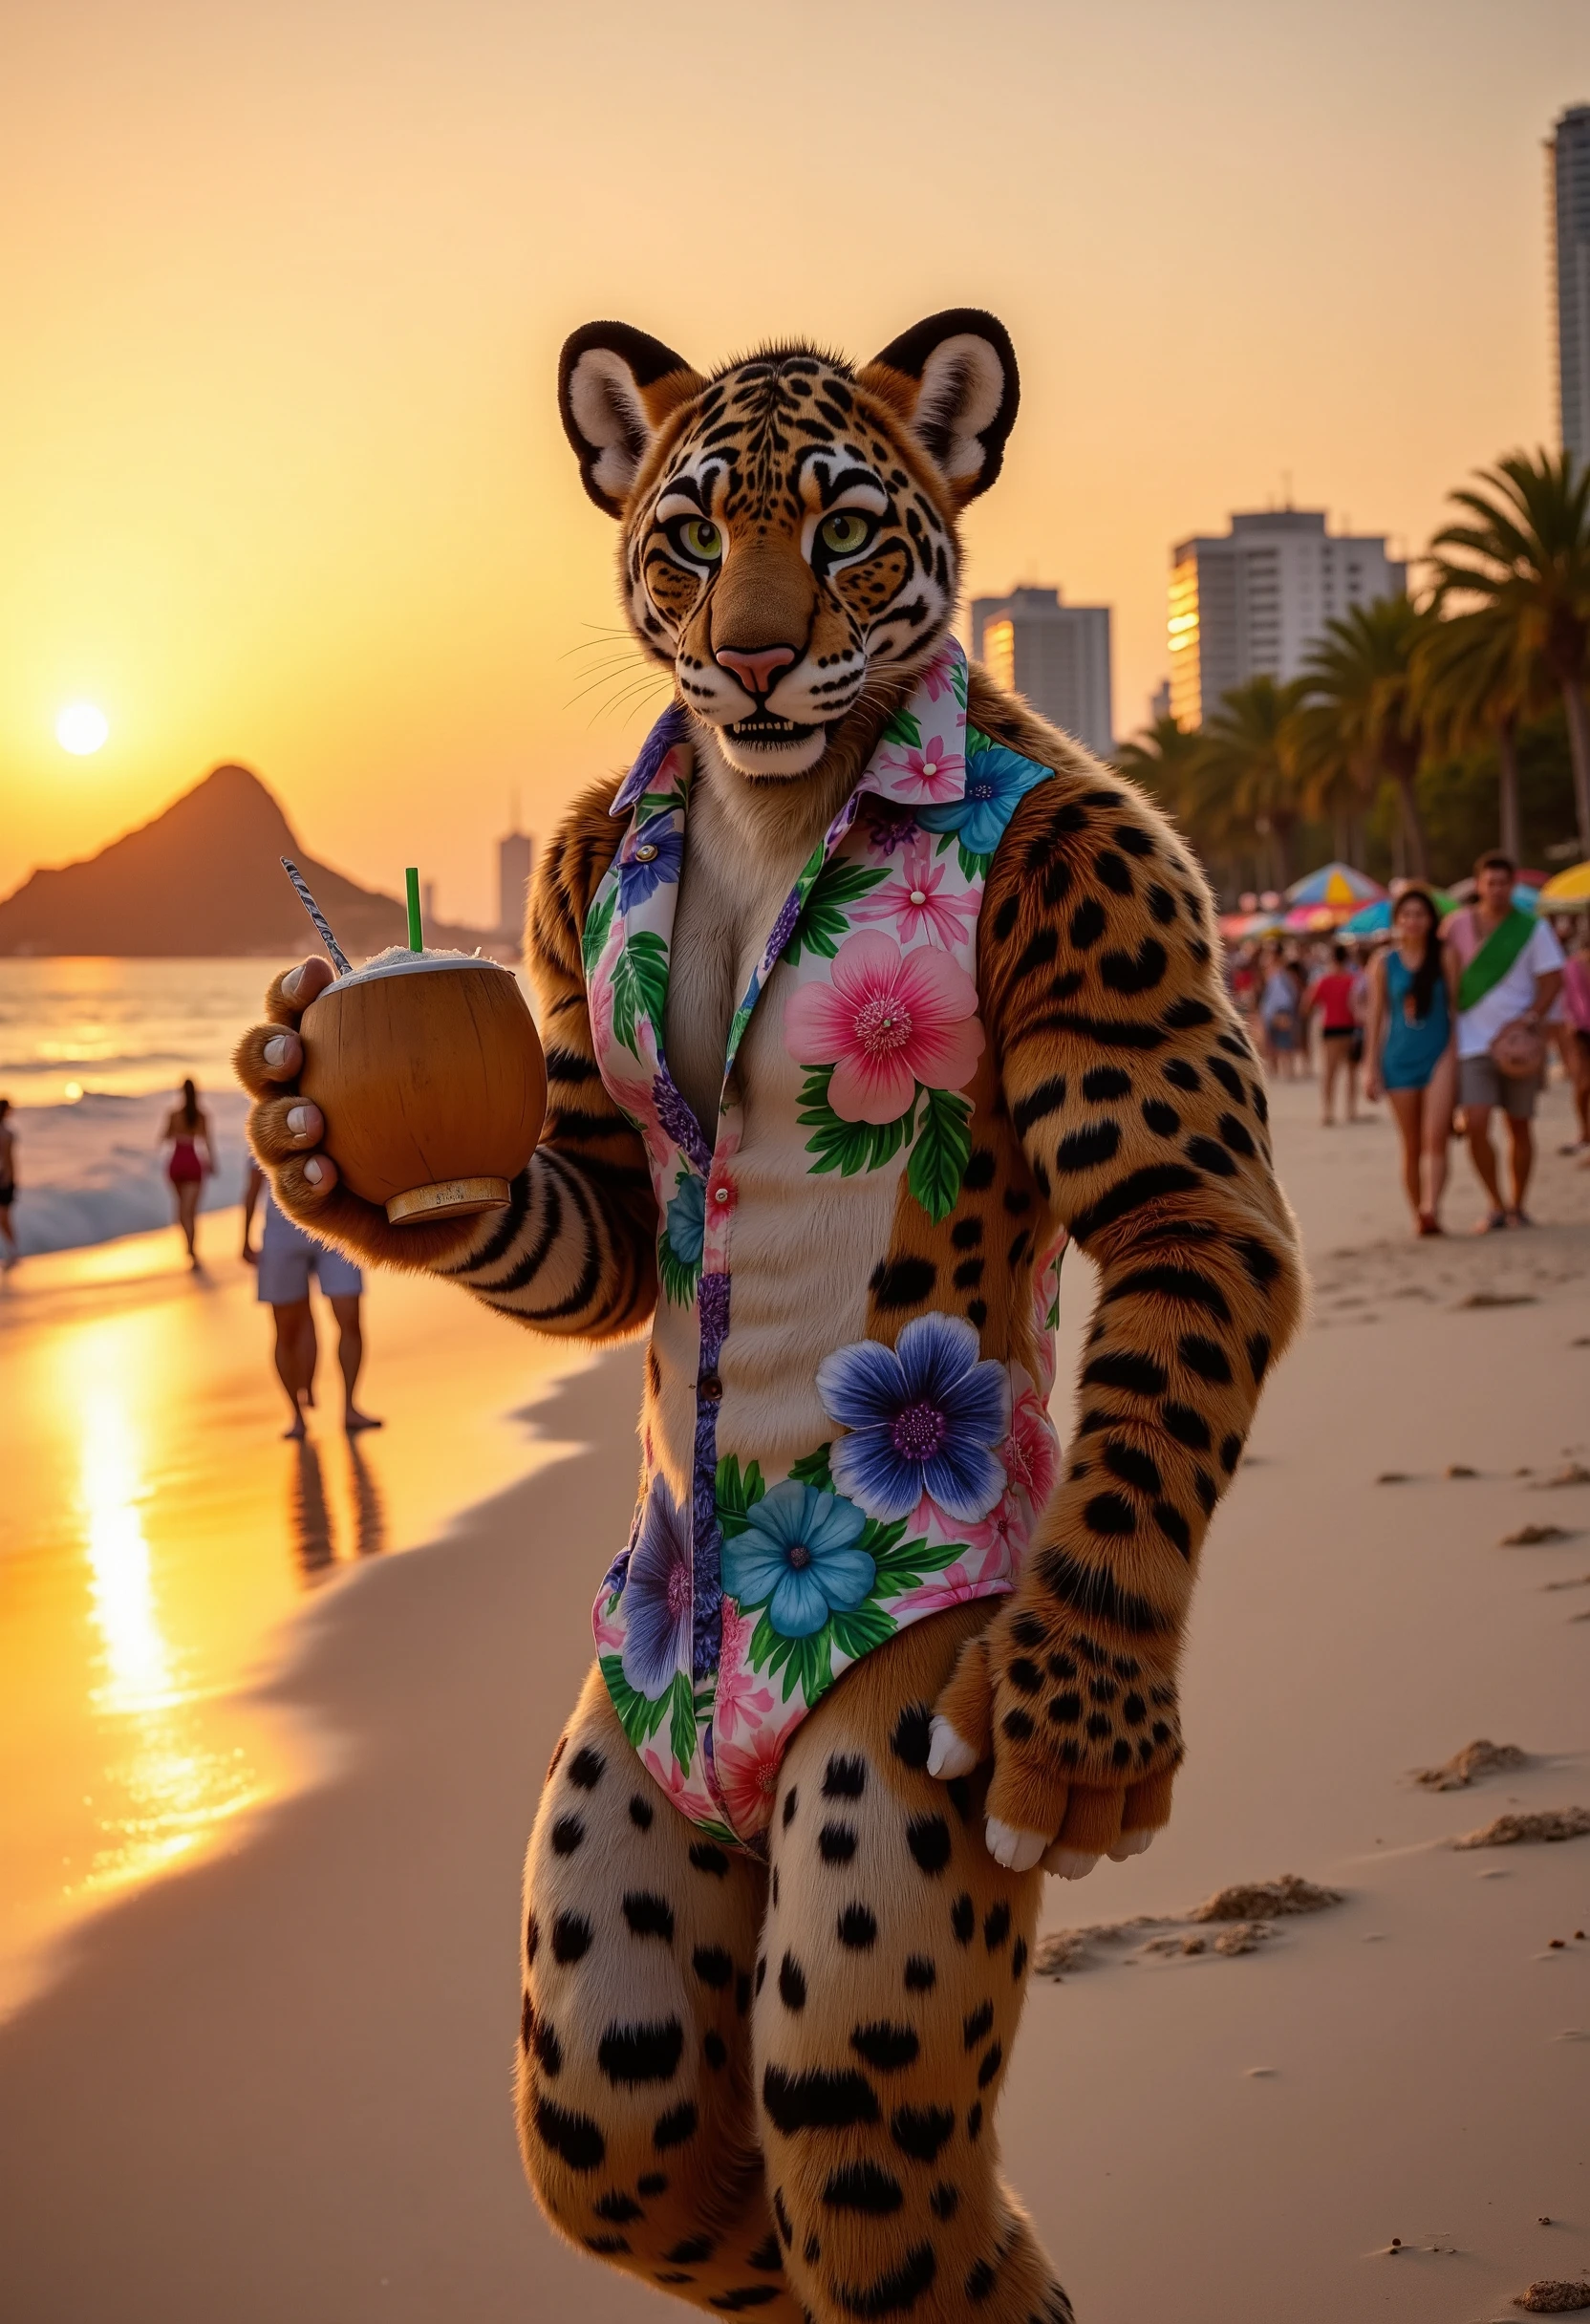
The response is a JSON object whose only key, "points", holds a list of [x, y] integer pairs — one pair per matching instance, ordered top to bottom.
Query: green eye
{"points": [[846, 531], [700, 539]]}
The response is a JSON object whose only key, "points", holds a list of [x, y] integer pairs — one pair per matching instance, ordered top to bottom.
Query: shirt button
{"points": [[929, 768], [646, 852], [917, 897], [721, 1195], [709, 1389]]}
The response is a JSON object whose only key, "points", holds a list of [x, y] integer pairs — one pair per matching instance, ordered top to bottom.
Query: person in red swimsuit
{"points": [[1334, 995], [185, 1131]]}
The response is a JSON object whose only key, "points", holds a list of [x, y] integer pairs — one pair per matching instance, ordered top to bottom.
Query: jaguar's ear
{"points": [[953, 381], [616, 388]]}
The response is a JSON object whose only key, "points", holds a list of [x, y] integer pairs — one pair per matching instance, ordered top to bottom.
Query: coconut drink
{"points": [[429, 1072]]}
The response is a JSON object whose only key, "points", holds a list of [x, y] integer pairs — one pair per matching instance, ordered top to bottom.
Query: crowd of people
{"points": [[1454, 1020]]}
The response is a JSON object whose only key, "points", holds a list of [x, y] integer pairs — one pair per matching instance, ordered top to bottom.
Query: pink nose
{"points": [[756, 672]]}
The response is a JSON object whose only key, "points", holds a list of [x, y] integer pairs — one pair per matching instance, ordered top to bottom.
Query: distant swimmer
{"points": [[185, 1129], [8, 1185], [286, 1258]]}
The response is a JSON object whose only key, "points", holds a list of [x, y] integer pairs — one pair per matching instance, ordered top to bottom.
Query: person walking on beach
{"points": [[1509, 969], [1332, 995], [1278, 1013], [1575, 1032], [1411, 1048], [185, 1129], [8, 1185], [285, 1260]]}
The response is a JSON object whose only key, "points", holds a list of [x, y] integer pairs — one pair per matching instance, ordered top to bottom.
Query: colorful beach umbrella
{"points": [[1337, 884], [1567, 890], [1375, 919], [1315, 920]]}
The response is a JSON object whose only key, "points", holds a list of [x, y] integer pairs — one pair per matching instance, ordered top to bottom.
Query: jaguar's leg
{"points": [[896, 1953], [636, 2118]]}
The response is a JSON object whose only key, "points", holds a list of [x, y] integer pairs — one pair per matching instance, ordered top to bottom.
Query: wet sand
{"points": [[276, 2083]]}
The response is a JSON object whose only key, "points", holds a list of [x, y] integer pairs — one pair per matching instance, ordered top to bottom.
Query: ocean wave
{"points": [[93, 1170]]}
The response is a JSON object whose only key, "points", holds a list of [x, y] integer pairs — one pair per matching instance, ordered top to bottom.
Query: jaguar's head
{"points": [[790, 523]]}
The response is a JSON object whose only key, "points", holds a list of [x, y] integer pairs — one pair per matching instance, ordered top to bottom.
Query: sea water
{"points": [[93, 1055]]}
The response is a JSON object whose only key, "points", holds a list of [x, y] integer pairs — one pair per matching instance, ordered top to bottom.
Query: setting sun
{"points": [[81, 729]]}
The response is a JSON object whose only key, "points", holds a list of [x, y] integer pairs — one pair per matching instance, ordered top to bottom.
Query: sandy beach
{"points": [[269, 2076]]}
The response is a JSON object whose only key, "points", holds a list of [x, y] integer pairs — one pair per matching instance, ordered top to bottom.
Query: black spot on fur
{"points": [[1113, 870], [1162, 904], [1089, 923], [1139, 972], [1184, 1013], [1183, 1075], [1103, 1083], [1047, 1098], [1236, 1135], [1089, 1147], [1210, 1158], [979, 1171], [1135, 1192], [1260, 1260], [1167, 1281], [903, 1283], [1259, 1356], [1204, 1357], [1140, 1374], [1188, 1426], [1230, 1453], [1132, 1468], [1207, 1490], [1111, 1514], [1174, 1526], [1091, 1591], [1024, 1675], [1065, 1709], [1017, 1724], [910, 1741], [586, 1769], [844, 1779], [790, 1797], [640, 1813], [567, 1835], [928, 1838], [836, 1844], [707, 1859], [649, 1915], [963, 1919], [996, 1927], [857, 1928], [570, 1936], [532, 1937], [1018, 1958], [712, 1965], [762, 1972], [921, 1973], [792, 1985], [977, 2025], [890, 2048], [548, 2049], [716, 2051], [646, 2052], [990, 2066], [816, 2100], [974, 2121], [675, 2127], [920, 2131], [574, 2137], [653, 2183], [862, 2186], [945, 2199], [618, 2207], [782, 2215], [605, 2245], [694, 2250], [766, 2257], [979, 2282], [891, 2294], [739, 2297]]}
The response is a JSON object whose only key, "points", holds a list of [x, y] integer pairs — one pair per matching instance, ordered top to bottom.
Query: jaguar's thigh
{"points": [[897, 1952], [635, 2111]]}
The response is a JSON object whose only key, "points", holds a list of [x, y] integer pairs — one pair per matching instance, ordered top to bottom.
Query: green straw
{"points": [[411, 880]]}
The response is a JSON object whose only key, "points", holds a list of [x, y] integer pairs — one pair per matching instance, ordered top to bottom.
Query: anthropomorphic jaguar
{"points": [[862, 992]]}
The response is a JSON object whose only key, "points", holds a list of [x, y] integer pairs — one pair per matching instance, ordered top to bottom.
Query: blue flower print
{"points": [[997, 781], [649, 858], [687, 1221], [924, 1416], [798, 1552], [657, 1598]]}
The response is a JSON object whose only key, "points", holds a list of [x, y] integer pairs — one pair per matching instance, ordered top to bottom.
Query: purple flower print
{"points": [[649, 859], [924, 1416], [657, 1598]]}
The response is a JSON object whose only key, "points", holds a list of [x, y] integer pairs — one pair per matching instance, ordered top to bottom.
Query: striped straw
{"points": [[339, 959]]}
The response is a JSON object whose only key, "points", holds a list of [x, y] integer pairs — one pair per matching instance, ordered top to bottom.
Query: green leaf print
{"points": [[959, 677], [903, 729], [977, 740], [658, 803], [973, 866], [825, 918], [596, 926], [639, 986], [848, 1146], [943, 1150], [677, 1277], [813, 1469], [737, 1495], [907, 1566], [858, 1632], [807, 1663], [638, 1718], [681, 1734]]}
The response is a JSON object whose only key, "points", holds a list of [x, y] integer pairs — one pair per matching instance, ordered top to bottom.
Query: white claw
{"points": [[949, 1753], [1009, 1845], [1129, 1845], [1069, 1864]]}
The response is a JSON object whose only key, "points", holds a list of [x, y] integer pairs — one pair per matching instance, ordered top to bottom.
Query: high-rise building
{"points": [[1569, 196], [1250, 603], [1057, 655], [515, 853]]}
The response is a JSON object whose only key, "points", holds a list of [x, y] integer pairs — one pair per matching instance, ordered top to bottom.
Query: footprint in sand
{"points": [[1471, 1765], [1242, 1918]]}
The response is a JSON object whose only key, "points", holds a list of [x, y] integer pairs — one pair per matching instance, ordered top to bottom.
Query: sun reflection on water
{"points": [[174, 1787]]}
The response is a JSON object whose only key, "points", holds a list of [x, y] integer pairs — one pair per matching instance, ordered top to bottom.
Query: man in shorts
{"points": [[1511, 971], [8, 1185], [286, 1260]]}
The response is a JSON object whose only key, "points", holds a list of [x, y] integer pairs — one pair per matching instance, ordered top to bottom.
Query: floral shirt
{"points": [[807, 1491]]}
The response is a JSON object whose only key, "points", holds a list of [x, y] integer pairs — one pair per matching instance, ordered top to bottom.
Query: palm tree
{"points": [[1524, 547], [1358, 684], [1475, 684], [1161, 758], [1243, 779]]}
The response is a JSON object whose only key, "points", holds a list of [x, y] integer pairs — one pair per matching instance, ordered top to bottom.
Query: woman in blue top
{"points": [[1412, 1052]]}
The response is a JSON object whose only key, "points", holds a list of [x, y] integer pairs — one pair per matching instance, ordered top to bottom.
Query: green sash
{"points": [[1494, 958]]}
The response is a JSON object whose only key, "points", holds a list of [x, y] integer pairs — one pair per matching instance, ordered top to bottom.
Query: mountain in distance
{"points": [[206, 878]]}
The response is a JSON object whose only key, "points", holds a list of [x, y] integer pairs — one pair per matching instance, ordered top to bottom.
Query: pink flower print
{"points": [[934, 680], [927, 777], [916, 902], [887, 1020], [1028, 1451], [1002, 1534], [954, 1586], [610, 1634], [739, 1696], [670, 1775], [748, 1780]]}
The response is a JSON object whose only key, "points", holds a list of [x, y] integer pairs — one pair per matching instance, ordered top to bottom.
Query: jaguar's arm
{"points": [[1142, 1113], [575, 1252]]}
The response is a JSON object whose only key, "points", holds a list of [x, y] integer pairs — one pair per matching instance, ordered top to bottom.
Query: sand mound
{"points": [[1528, 1537], [1467, 1765], [1551, 1823], [1245, 1911], [1552, 2297]]}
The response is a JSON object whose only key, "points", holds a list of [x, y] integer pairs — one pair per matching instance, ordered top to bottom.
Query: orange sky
{"points": [[281, 476]]}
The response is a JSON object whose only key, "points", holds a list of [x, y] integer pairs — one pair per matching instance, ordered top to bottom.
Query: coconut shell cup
{"points": [[430, 1074]]}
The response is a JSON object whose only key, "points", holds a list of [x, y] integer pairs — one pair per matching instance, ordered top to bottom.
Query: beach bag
{"points": [[1518, 1052]]}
